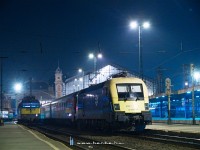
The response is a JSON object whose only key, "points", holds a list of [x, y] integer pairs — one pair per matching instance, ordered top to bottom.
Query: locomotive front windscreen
{"points": [[130, 92], [31, 105]]}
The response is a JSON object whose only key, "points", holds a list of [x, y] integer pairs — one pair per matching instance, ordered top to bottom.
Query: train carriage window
{"points": [[130, 92]]}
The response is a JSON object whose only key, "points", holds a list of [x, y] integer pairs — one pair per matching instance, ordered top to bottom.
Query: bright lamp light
{"points": [[133, 25], [146, 25], [91, 55], [99, 55], [80, 70], [18, 87]]}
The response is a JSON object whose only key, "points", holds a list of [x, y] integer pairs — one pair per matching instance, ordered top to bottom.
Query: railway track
{"points": [[173, 139], [75, 141], [86, 141]]}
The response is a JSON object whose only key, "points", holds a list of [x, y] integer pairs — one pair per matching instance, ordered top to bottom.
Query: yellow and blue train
{"points": [[120, 103], [29, 109]]}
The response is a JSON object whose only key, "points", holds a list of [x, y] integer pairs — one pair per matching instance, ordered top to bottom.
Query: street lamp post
{"points": [[145, 25], [95, 57], [81, 71], [1, 86], [18, 88], [168, 93], [193, 108]]}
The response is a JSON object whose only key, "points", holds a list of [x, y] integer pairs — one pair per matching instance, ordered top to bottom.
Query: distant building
{"points": [[84, 80], [58, 83]]}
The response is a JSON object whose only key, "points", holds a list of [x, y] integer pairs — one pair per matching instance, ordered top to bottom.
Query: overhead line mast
{"points": [[1, 86]]}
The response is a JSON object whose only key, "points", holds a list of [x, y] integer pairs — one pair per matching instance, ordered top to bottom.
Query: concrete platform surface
{"points": [[175, 127], [17, 137]]}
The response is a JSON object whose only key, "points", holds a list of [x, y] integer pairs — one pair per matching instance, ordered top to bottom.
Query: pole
{"points": [[139, 36], [140, 54], [95, 64], [95, 68], [83, 79], [1, 86], [30, 86], [168, 93], [16, 105], [193, 109], [169, 110]]}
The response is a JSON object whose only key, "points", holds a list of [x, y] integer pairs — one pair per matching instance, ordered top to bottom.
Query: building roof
{"points": [[80, 82]]}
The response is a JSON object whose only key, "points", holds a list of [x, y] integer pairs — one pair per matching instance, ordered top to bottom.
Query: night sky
{"points": [[37, 34]]}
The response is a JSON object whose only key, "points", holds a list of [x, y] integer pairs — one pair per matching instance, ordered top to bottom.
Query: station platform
{"points": [[176, 120], [180, 128], [17, 137]]}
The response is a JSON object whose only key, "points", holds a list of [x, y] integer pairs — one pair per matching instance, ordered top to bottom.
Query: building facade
{"points": [[84, 80], [58, 83]]}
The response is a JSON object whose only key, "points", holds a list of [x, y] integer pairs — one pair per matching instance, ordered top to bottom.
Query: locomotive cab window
{"points": [[130, 92]]}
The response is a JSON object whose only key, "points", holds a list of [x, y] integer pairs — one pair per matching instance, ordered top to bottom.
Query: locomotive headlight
{"points": [[146, 105], [116, 107]]}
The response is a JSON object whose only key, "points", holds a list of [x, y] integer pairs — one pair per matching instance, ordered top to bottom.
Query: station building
{"points": [[86, 79]]}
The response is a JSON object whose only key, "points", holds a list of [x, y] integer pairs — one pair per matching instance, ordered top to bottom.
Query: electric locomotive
{"points": [[119, 104], [29, 109]]}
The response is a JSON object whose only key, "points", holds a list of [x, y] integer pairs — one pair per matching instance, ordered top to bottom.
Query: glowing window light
{"points": [[196, 76], [89, 95], [27, 106]]}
